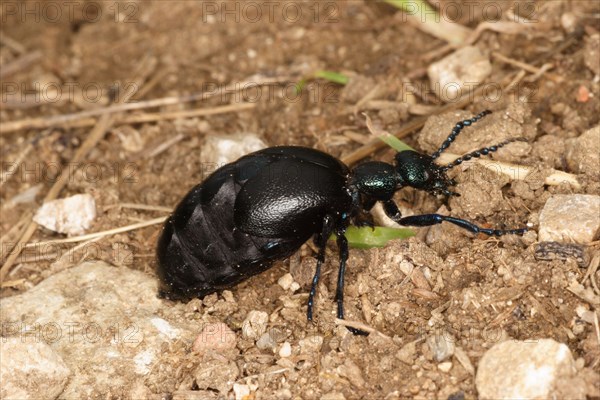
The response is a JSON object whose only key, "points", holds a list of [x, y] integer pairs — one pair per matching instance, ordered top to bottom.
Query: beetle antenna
{"points": [[456, 130], [481, 152]]}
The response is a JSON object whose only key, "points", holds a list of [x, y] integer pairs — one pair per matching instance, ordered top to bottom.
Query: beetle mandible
{"points": [[264, 206]]}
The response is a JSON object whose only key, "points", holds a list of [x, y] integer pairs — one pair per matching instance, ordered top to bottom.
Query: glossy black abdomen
{"points": [[247, 214]]}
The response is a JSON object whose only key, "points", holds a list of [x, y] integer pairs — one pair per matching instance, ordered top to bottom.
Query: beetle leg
{"points": [[391, 210], [362, 216], [363, 219], [434, 219], [342, 243], [322, 244]]}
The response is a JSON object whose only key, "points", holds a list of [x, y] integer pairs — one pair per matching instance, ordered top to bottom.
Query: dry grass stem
{"points": [[20, 63], [527, 67], [59, 120], [95, 235], [360, 326]]}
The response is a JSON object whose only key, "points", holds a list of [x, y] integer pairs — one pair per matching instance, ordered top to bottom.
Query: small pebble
{"points": [[569, 22], [459, 73], [131, 139], [222, 149], [583, 153], [71, 215], [570, 218], [406, 267], [286, 281], [228, 296], [255, 324], [266, 341], [311, 345], [442, 346], [285, 350], [407, 353], [464, 360], [445, 366], [540, 369], [352, 372], [241, 391], [283, 394], [333, 396]]}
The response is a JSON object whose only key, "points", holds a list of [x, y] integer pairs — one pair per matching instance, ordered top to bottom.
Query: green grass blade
{"points": [[330, 76], [395, 143], [366, 237]]}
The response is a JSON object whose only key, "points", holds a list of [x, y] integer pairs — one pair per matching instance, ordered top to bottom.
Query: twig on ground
{"points": [[12, 43], [20, 63], [526, 67], [44, 122], [163, 146], [6, 175], [135, 206], [95, 235], [6, 241], [360, 326]]}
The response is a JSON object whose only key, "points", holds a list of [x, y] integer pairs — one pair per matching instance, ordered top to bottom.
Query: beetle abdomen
{"points": [[201, 251]]}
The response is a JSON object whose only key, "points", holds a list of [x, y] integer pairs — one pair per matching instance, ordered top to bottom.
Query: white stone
{"points": [[459, 73], [219, 150], [583, 153], [71, 215], [573, 218], [286, 281], [103, 322], [255, 324], [266, 341], [311, 345], [441, 345], [285, 350], [445, 366], [30, 369], [525, 370], [351, 372], [241, 391]]}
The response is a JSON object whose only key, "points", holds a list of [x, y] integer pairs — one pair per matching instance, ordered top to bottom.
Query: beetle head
{"points": [[420, 172]]}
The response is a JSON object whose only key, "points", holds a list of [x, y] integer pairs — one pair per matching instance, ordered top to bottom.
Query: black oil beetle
{"points": [[264, 206]]}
